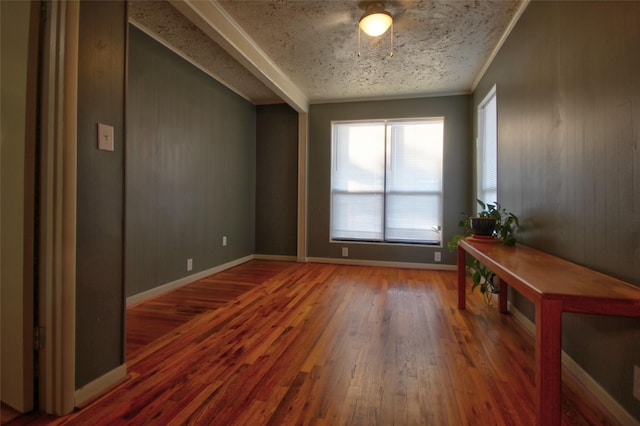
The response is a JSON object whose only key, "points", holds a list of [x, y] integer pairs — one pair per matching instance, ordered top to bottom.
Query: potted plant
{"points": [[493, 222], [482, 226]]}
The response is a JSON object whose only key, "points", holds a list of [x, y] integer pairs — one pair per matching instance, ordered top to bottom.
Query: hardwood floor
{"points": [[150, 320], [277, 343]]}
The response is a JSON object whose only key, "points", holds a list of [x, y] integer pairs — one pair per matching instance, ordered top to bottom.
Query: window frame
{"points": [[481, 139], [385, 190]]}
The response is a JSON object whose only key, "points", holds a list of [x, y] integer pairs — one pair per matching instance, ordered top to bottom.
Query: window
{"points": [[487, 148], [386, 181]]}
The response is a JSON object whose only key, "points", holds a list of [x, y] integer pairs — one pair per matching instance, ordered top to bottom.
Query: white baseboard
{"points": [[275, 257], [383, 263], [165, 288], [525, 322], [581, 376], [99, 386]]}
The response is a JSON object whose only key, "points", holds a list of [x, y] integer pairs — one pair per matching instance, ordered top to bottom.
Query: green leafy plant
{"points": [[506, 225]]}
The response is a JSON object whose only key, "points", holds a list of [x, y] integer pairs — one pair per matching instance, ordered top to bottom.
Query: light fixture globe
{"points": [[375, 21]]}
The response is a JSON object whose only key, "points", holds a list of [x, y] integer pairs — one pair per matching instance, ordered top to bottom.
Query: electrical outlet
{"points": [[105, 137], [224, 241], [345, 251], [437, 256], [189, 264], [636, 382]]}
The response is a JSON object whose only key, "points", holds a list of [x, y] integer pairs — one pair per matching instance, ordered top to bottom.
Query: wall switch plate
{"points": [[105, 137], [224, 241], [345, 251], [437, 256], [189, 264], [636, 382]]}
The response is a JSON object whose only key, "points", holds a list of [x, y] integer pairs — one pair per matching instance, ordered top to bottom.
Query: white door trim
{"points": [[57, 277]]}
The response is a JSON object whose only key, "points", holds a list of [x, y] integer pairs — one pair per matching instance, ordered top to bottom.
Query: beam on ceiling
{"points": [[214, 21]]}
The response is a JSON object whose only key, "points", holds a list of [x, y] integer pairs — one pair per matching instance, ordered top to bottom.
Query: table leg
{"points": [[461, 278], [502, 295], [548, 361]]}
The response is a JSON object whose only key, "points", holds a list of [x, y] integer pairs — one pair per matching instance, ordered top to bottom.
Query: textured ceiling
{"points": [[163, 22], [440, 46]]}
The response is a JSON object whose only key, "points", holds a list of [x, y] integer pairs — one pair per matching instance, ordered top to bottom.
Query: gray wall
{"points": [[568, 87], [18, 104], [190, 173], [456, 173], [276, 180], [100, 212]]}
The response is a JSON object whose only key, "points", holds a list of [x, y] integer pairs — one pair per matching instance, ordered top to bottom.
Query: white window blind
{"points": [[487, 149], [386, 181]]}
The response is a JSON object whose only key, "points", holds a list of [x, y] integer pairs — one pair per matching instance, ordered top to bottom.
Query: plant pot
{"points": [[483, 226]]}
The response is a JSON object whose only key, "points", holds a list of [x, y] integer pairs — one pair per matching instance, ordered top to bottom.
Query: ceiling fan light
{"points": [[376, 22]]}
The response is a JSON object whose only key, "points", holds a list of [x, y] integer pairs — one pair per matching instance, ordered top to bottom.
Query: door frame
{"points": [[57, 201]]}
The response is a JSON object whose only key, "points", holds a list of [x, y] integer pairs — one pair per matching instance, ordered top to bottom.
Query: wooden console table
{"points": [[554, 286]]}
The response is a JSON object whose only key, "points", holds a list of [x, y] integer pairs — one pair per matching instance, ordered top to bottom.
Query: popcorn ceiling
{"points": [[440, 46]]}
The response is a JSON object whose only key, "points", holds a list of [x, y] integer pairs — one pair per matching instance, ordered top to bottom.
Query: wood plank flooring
{"points": [[148, 321], [278, 343]]}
